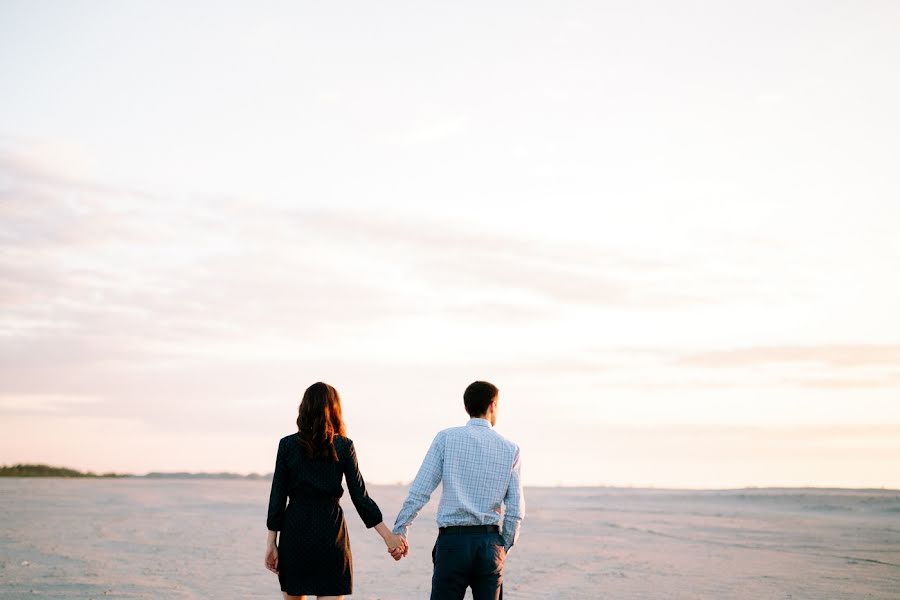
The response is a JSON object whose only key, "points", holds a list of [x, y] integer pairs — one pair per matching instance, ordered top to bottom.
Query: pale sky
{"points": [[667, 231]]}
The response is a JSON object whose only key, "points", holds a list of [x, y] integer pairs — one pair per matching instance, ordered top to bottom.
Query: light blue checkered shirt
{"points": [[480, 470]]}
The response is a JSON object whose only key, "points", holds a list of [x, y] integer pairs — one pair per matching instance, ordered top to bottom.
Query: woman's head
{"points": [[319, 420]]}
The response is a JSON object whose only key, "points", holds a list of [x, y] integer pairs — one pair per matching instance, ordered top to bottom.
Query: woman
{"points": [[312, 555]]}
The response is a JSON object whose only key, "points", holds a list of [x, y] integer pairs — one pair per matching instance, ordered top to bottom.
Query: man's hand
{"points": [[398, 547]]}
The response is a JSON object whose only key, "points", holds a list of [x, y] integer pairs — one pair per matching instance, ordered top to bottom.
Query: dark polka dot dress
{"points": [[314, 547]]}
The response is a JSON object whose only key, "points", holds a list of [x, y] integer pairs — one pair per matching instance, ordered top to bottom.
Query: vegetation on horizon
{"points": [[36, 470], [41, 470]]}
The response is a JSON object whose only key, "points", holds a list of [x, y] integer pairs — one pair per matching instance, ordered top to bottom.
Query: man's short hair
{"points": [[478, 397]]}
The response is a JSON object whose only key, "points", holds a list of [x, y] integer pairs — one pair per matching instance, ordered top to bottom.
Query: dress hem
{"points": [[349, 593]]}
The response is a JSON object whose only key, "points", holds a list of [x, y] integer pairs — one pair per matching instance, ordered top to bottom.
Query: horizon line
{"points": [[254, 476]]}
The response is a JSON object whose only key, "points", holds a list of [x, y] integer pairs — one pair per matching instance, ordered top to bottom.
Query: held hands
{"points": [[397, 546]]}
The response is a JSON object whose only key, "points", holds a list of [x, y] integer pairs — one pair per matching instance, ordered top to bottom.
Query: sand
{"points": [[139, 538]]}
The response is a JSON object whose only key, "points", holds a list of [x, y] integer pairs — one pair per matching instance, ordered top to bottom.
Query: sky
{"points": [[668, 232]]}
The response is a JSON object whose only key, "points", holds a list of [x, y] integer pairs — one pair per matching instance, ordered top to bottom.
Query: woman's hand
{"points": [[397, 546], [272, 558]]}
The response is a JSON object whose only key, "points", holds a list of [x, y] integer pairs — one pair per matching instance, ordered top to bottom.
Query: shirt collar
{"points": [[479, 422]]}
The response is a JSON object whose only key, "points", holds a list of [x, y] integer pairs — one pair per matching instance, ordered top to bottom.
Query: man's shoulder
{"points": [[449, 431], [463, 432], [447, 434], [514, 447]]}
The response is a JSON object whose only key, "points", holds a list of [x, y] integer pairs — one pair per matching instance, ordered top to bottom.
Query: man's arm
{"points": [[427, 479], [515, 504]]}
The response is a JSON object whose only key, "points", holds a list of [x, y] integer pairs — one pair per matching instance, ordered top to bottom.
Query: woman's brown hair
{"points": [[319, 420]]}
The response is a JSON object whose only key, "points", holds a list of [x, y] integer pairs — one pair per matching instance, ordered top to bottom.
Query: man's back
{"points": [[477, 467], [480, 471]]}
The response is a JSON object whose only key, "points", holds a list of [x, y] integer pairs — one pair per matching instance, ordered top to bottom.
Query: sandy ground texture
{"points": [[138, 538]]}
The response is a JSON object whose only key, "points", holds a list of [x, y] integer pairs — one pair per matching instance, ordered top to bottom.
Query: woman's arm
{"points": [[279, 492], [277, 500], [365, 506]]}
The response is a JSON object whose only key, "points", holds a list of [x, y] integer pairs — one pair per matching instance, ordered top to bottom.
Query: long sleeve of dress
{"points": [[279, 492], [365, 506]]}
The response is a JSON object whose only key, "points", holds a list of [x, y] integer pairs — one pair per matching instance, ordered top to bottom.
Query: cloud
{"points": [[429, 130], [80, 257], [93, 261], [535, 276], [151, 304], [159, 308], [825, 355], [824, 367], [873, 381], [29, 404]]}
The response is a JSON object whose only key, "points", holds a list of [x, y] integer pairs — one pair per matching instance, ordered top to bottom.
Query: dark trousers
{"points": [[467, 559]]}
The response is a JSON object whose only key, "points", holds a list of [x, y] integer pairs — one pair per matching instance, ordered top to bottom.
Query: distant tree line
{"points": [[32, 470], [36, 470]]}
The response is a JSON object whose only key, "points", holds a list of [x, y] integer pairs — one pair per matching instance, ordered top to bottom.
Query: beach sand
{"points": [[152, 538]]}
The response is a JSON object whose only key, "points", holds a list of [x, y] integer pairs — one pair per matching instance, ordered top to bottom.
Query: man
{"points": [[480, 471]]}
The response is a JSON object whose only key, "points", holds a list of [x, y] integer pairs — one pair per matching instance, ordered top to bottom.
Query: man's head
{"points": [[481, 401]]}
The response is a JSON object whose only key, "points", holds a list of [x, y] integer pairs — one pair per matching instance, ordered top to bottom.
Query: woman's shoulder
{"points": [[289, 438], [342, 440], [342, 445]]}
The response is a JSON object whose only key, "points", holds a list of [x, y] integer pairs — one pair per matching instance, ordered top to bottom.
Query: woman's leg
{"points": [[289, 597], [329, 598]]}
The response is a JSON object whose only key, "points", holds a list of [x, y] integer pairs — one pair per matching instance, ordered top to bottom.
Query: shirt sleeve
{"points": [[427, 479], [279, 491], [515, 504], [365, 506]]}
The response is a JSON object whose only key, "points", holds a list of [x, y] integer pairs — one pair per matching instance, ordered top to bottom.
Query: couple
{"points": [[479, 470]]}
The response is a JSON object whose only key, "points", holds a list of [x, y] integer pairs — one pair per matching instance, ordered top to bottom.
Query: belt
{"points": [[307, 500], [463, 529]]}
